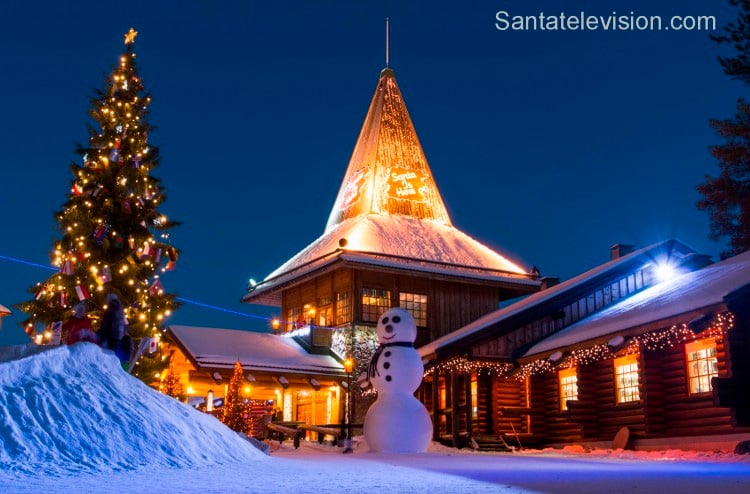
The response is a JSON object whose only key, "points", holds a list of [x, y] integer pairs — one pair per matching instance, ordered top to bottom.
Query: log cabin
{"points": [[655, 343]]}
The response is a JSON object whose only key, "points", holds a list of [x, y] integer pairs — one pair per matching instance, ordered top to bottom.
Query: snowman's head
{"points": [[396, 325]]}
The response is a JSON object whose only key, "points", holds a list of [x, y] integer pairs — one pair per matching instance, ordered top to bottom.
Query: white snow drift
{"points": [[73, 409]]}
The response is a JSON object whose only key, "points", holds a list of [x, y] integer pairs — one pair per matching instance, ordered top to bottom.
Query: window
{"points": [[374, 303], [416, 304], [343, 308], [325, 312], [293, 318], [702, 364], [626, 379], [568, 386], [474, 396]]}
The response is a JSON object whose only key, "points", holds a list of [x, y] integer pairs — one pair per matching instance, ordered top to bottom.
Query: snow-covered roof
{"points": [[390, 212], [399, 242], [647, 254], [690, 292], [4, 311], [221, 348]]}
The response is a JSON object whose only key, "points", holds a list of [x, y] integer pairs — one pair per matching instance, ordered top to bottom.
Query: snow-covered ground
{"points": [[72, 421]]}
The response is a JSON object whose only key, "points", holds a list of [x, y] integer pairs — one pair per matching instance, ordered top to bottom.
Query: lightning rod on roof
{"points": [[386, 42]]}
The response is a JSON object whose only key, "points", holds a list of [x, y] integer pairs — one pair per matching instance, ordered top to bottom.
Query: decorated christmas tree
{"points": [[112, 237], [236, 410]]}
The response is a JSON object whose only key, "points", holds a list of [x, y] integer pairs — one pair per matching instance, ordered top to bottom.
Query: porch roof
{"points": [[221, 348]]}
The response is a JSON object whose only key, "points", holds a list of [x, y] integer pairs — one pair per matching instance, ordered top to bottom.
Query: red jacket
{"points": [[78, 329]]}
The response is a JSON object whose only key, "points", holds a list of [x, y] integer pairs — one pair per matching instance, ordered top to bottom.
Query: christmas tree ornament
{"points": [[130, 36], [114, 155], [137, 162], [77, 189], [125, 206], [100, 233], [118, 242], [146, 251], [157, 256], [67, 268], [156, 288], [82, 293], [63, 298]]}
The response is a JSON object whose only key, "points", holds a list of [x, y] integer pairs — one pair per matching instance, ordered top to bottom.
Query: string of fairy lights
{"points": [[660, 339]]}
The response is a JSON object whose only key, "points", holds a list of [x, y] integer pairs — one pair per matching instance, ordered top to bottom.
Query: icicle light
{"points": [[660, 339], [462, 365]]}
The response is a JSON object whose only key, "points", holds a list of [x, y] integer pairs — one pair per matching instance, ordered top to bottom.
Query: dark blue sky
{"points": [[549, 146]]}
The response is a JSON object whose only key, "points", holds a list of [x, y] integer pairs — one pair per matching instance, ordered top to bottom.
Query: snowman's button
{"points": [[388, 353], [387, 365], [388, 378]]}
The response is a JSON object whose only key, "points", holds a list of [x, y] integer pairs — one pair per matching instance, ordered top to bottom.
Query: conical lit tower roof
{"points": [[388, 171], [389, 213]]}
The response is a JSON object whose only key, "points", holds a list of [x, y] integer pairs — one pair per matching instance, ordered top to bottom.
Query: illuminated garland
{"points": [[660, 339], [462, 365]]}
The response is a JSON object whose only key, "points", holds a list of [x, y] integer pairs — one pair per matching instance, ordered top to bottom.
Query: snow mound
{"points": [[73, 409]]}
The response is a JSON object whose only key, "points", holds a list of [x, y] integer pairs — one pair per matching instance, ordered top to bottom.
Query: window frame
{"points": [[417, 308], [371, 312], [710, 359], [564, 388], [626, 392]]}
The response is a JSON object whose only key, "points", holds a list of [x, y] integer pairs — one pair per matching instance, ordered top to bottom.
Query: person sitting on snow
{"points": [[78, 327], [112, 329]]}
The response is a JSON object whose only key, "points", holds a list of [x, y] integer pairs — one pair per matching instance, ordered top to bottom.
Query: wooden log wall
{"points": [[652, 384], [508, 394], [546, 399], [584, 410], [686, 414], [611, 415], [484, 423]]}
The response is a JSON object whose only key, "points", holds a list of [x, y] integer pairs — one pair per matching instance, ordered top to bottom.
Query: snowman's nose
{"points": [[389, 329]]}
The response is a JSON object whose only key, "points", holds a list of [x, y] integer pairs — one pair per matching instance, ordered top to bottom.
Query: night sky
{"points": [[548, 146]]}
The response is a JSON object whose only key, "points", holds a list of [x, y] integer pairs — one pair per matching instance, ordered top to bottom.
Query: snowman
{"points": [[397, 422]]}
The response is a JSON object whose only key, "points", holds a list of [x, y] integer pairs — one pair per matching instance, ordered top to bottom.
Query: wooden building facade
{"points": [[389, 242], [666, 359]]}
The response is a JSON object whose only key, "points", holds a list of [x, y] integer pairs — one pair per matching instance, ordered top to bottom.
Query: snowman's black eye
{"points": [[396, 319], [385, 320]]}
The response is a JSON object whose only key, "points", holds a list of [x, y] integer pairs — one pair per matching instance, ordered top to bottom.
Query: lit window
{"points": [[374, 303], [416, 304], [343, 308], [293, 317], [702, 364], [626, 379], [568, 386], [474, 396]]}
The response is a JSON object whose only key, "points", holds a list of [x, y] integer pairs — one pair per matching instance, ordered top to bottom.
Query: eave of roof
{"points": [[513, 315]]}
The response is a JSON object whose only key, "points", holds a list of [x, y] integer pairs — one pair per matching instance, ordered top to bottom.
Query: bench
{"points": [[281, 432], [322, 432]]}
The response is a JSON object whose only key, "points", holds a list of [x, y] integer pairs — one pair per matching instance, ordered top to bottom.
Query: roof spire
{"points": [[386, 41], [388, 171]]}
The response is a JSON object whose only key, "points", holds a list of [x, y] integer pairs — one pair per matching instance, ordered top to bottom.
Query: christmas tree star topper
{"points": [[130, 36]]}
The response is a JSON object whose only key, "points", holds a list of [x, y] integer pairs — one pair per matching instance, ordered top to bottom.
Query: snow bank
{"points": [[73, 409]]}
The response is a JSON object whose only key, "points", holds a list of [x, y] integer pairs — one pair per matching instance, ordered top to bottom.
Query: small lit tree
{"points": [[171, 384], [235, 415]]}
